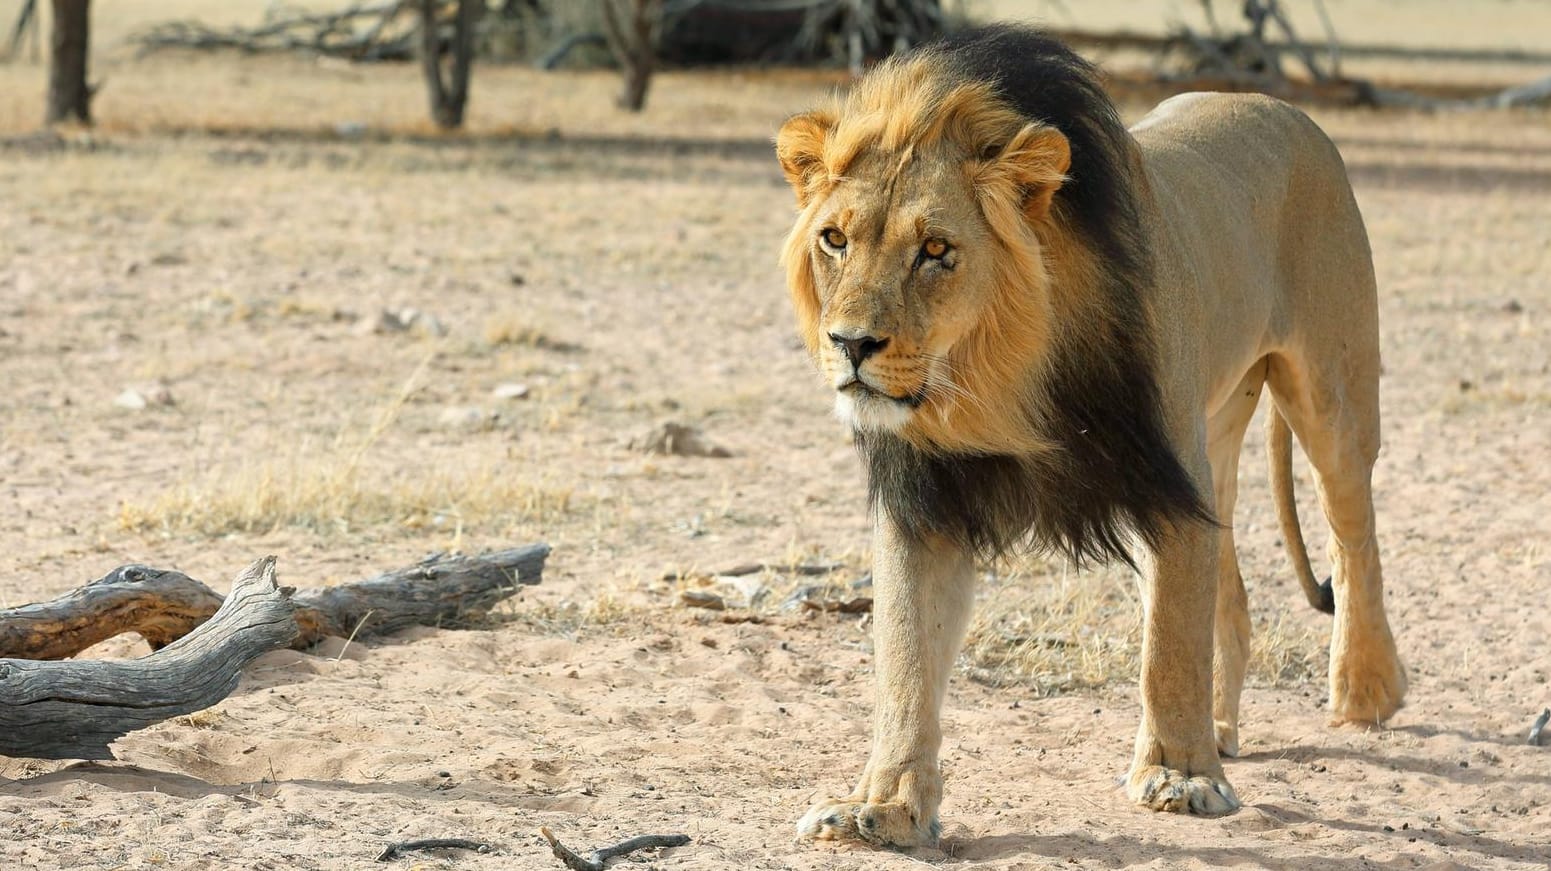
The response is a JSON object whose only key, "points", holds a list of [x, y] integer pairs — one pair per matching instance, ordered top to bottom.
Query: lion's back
{"points": [[1249, 168], [1254, 221]]}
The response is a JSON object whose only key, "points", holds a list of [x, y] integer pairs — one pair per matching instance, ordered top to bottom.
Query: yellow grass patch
{"points": [[343, 488], [311, 493], [1055, 631]]}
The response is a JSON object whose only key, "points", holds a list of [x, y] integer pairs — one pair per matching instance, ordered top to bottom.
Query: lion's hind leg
{"points": [[1334, 413]]}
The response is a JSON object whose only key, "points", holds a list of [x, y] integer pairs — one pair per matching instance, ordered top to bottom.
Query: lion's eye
{"points": [[834, 239], [934, 248]]}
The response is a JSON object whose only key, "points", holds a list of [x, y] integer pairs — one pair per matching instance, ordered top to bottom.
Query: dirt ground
{"points": [[227, 253]]}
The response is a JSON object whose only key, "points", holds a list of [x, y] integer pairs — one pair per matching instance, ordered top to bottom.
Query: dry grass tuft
{"points": [[515, 330], [337, 490], [315, 494], [568, 619], [1055, 631]]}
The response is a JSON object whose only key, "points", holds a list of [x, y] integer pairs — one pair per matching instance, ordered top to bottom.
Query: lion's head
{"points": [[922, 200], [970, 270]]}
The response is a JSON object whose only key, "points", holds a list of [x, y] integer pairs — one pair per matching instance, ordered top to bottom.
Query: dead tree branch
{"points": [[365, 32], [440, 591], [163, 605], [74, 710], [394, 851], [599, 857]]}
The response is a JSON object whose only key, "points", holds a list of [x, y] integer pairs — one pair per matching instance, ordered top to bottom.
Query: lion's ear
{"points": [[800, 147], [1036, 160]]}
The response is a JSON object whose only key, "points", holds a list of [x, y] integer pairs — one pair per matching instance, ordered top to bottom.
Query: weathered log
{"points": [[440, 591], [161, 605], [164, 605], [74, 710]]}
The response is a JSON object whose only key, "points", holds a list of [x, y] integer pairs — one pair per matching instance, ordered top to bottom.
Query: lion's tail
{"points": [[1279, 445]]}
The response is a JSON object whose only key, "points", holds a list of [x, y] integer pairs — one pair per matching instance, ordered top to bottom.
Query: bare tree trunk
{"points": [[633, 40], [69, 96], [449, 97]]}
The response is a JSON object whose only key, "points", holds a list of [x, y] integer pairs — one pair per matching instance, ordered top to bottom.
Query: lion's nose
{"points": [[858, 348]]}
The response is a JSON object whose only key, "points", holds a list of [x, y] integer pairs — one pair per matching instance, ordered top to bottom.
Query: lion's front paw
{"points": [[1165, 789], [895, 809], [893, 824]]}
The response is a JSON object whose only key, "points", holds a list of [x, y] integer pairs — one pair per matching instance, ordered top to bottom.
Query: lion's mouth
{"points": [[858, 389]]}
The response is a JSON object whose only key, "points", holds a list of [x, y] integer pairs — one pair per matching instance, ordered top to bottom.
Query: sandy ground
{"points": [[623, 270]]}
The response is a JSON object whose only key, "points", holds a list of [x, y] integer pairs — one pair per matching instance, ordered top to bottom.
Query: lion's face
{"points": [[915, 268], [902, 270]]}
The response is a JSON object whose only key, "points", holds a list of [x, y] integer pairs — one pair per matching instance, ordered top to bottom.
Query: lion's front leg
{"points": [[921, 602], [1175, 767]]}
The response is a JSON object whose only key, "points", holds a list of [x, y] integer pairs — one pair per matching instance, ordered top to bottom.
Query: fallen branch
{"points": [[377, 31], [439, 591], [160, 605], [164, 605], [74, 710], [1538, 727], [394, 851], [595, 862]]}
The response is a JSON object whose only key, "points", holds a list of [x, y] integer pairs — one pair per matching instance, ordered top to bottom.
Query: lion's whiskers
{"points": [[939, 378]]}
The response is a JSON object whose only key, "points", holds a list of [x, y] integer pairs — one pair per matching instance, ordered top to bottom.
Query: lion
{"points": [[1048, 332]]}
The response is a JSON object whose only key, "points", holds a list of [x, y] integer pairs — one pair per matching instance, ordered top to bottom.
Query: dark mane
{"points": [[1046, 81], [1114, 471]]}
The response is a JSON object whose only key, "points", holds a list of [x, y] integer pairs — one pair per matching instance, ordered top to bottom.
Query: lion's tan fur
{"points": [[1262, 277]]}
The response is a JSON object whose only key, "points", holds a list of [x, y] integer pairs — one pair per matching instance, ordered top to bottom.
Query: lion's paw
{"points": [[1367, 690], [1227, 738], [1165, 789], [893, 806], [892, 824]]}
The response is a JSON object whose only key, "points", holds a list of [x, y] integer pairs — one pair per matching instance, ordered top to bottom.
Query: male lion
{"points": [[1047, 331]]}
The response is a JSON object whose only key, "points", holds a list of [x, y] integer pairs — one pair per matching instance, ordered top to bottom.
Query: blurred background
{"points": [[355, 65]]}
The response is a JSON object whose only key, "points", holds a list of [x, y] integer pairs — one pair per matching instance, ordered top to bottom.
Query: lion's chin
{"points": [[867, 411]]}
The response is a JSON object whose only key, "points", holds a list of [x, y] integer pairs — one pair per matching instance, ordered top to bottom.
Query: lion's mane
{"points": [[1085, 394]]}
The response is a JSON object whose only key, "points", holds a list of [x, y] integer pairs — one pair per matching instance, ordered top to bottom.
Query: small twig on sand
{"points": [[1538, 727], [394, 851], [595, 863]]}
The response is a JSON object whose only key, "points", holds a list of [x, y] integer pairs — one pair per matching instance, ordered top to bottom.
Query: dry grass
{"points": [[512, 329], [341, 488], [320, 494], [570, 619], [1037, 626], [1055, 631]]}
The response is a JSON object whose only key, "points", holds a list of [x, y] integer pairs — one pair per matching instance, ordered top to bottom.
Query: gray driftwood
{"points": [[439, 591], [163, 605], [74, 710], [599, 857]]}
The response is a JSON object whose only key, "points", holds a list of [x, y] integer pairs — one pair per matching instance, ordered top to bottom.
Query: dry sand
{"points": [[628, 278]]}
